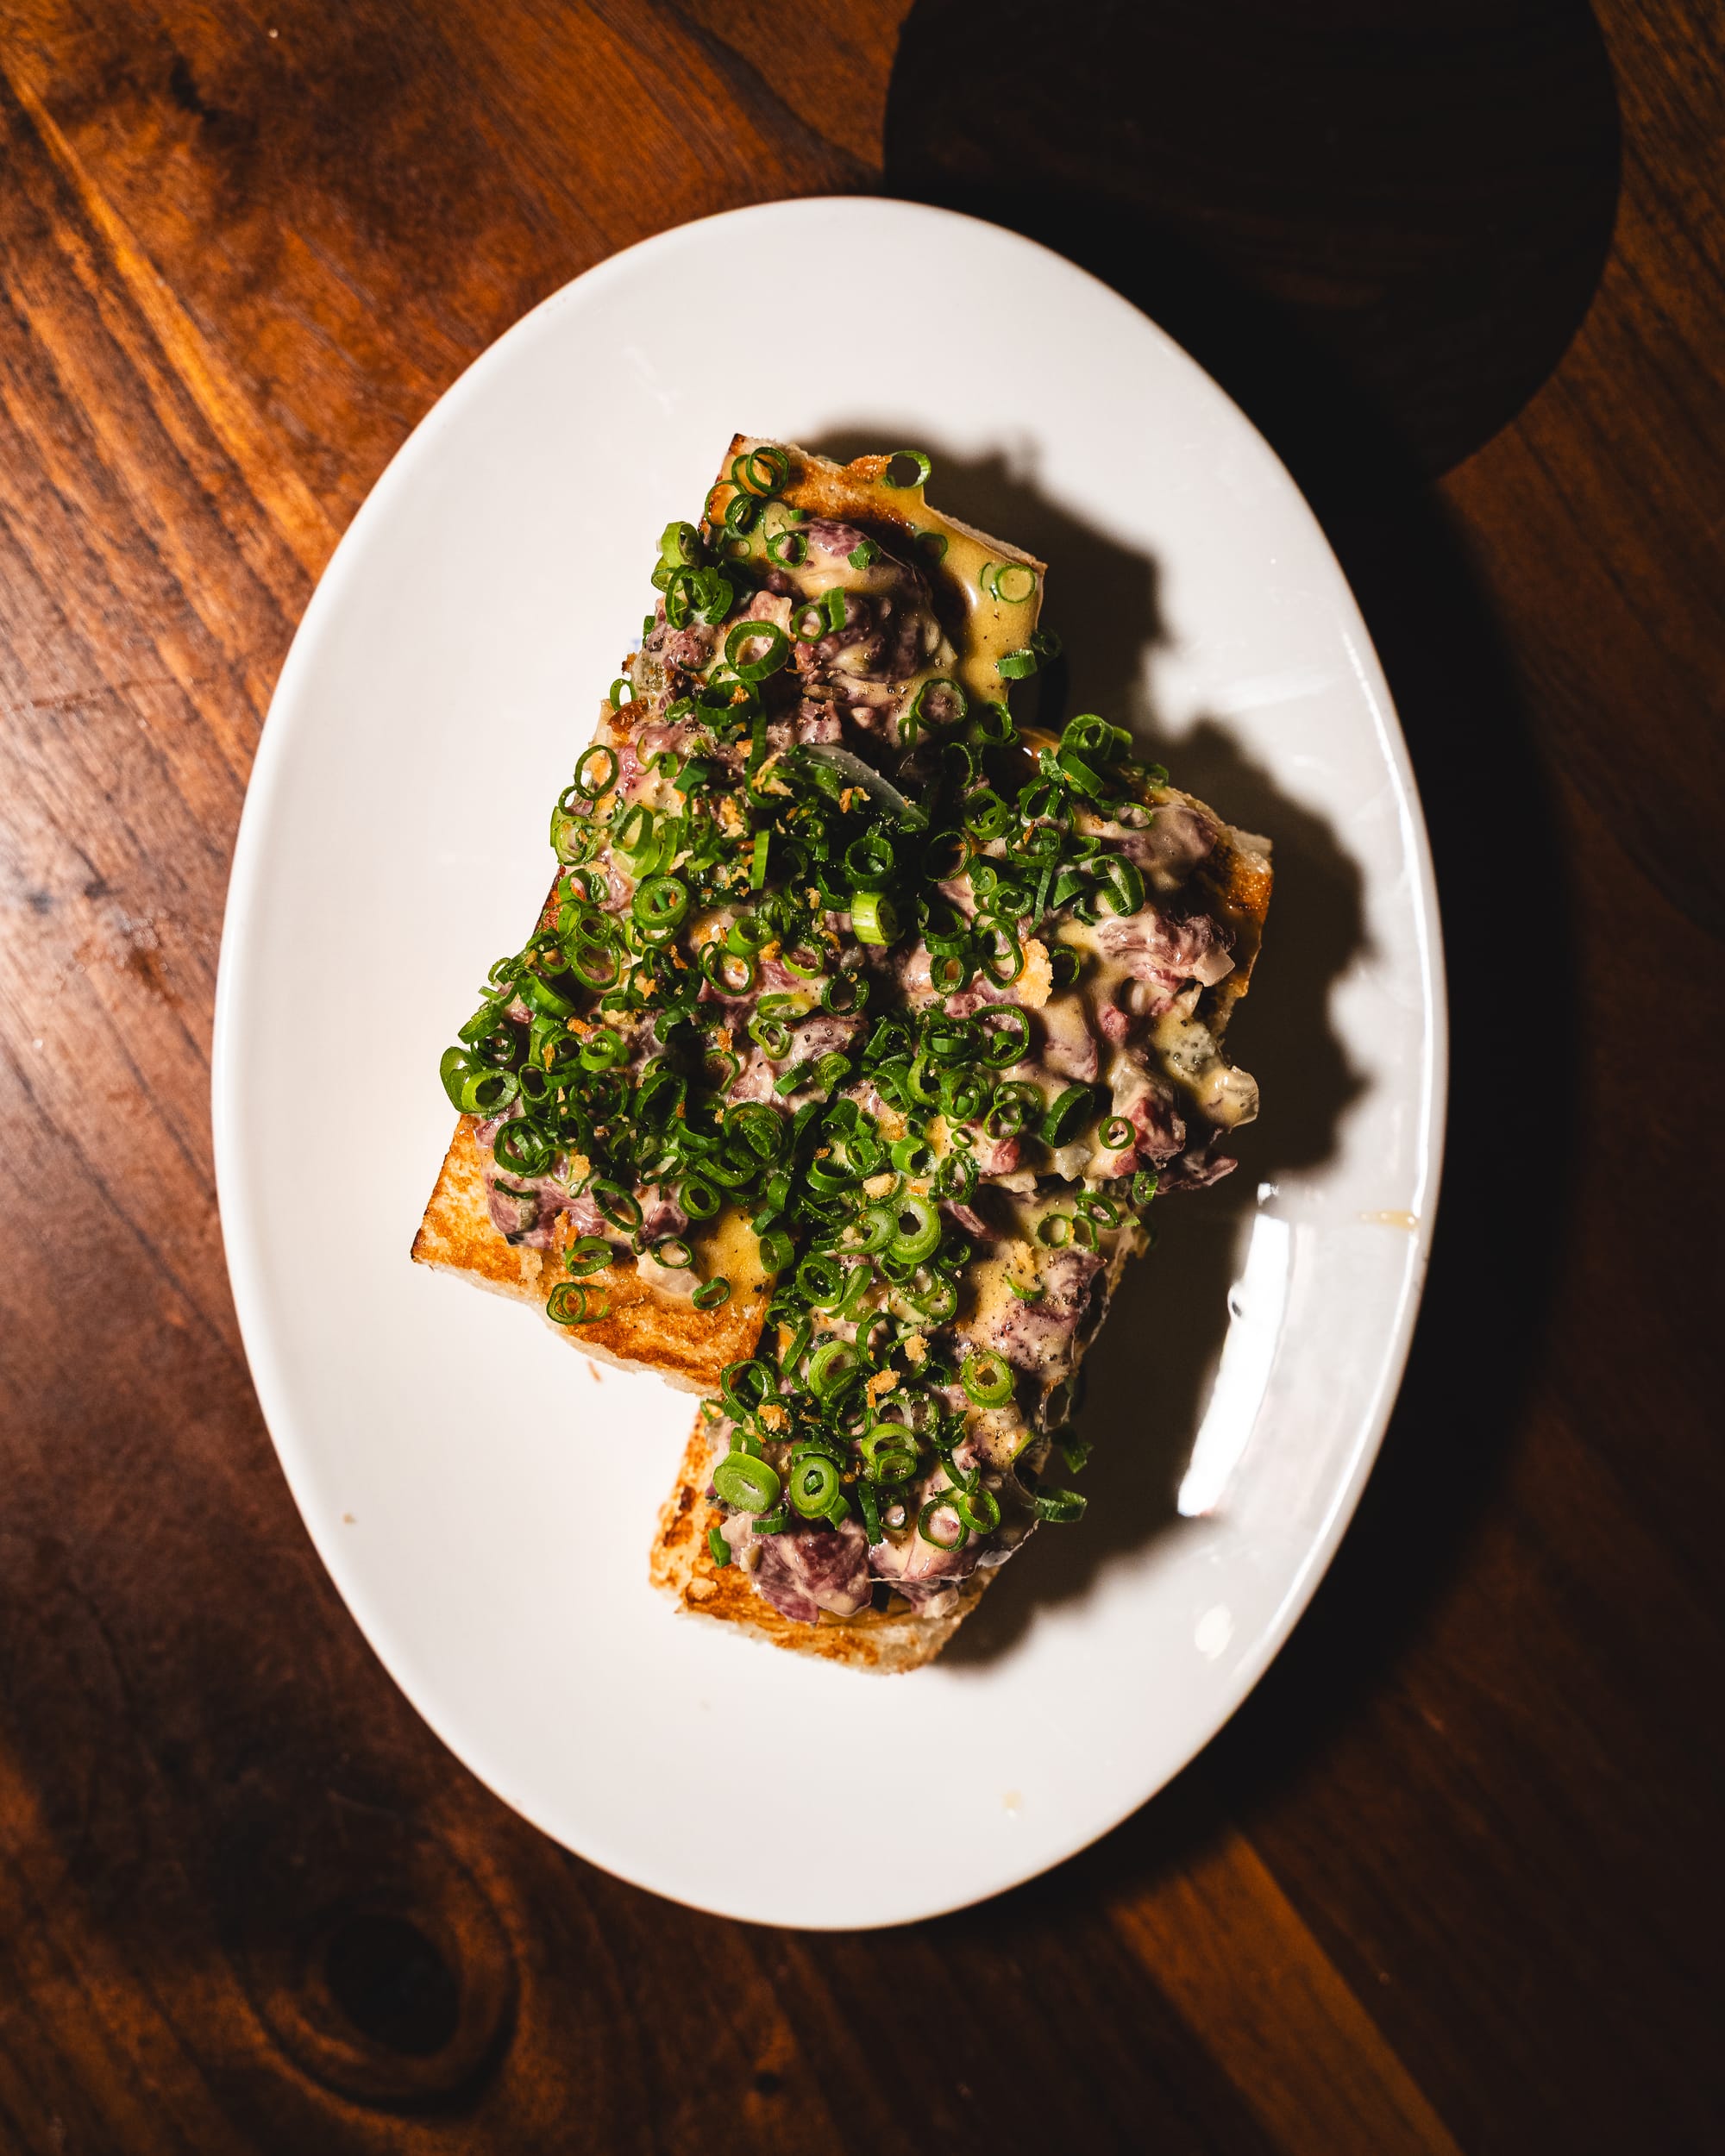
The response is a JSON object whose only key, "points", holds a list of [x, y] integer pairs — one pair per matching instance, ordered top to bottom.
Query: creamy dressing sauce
{"points": [[988, 627]]}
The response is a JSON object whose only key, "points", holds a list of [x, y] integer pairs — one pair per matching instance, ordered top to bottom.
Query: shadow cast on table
{"points": [[1381, 285], [1171, 1313]]}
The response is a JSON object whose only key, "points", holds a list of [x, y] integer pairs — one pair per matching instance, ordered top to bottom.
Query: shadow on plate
{"points": [[1379, 234], [1360, 239], [1506, 916], [1172, 1314]]}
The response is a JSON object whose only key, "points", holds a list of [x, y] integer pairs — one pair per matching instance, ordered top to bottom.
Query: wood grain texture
{"points": [[1449, 1880]]}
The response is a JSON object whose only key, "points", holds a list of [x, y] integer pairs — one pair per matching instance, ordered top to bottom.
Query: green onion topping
{"points": [[717, 1011]]}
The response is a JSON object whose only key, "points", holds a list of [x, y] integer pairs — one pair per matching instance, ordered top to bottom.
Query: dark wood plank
{"points": [[1448, 1882]]}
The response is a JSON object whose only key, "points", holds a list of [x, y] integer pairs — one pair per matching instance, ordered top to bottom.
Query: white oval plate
{"points": [[483, 1503]]}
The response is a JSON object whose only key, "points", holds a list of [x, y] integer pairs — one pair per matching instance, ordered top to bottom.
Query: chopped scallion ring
{"points": [[894, 462], [762, 471], [680, 545], [1013, 582], [758, 667], [938, 701], [1080, 775], [588, 787], [869, 860], [1124, 886], [661, 903], [874, 918], [748, 933], [1002, 953], [732, 973], [1005, 1037], [1067, 1117], [521, 1151], [912, 1156], [698, 1198], [620, 1206], [911, 1246], [820, 1281], [710, 1293], [567, 1303], [831, 1367], [988, 1380], [746, 1387], [888, 1452], [815, 1483], [747, 1484], [979, 1509], [931, 1512], [717, 1548]]}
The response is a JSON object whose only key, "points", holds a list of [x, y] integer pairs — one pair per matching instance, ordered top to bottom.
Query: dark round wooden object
{"points": [[1322, 199]]}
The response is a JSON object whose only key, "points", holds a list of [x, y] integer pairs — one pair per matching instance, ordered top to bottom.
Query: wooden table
{"points": [[1449, 1880]]}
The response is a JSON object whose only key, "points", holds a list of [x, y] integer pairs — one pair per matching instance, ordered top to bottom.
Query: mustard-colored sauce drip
{"points": [[988, 627]]}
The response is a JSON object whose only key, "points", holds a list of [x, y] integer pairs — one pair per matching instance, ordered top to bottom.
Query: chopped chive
{"points": [[627, 1060]]}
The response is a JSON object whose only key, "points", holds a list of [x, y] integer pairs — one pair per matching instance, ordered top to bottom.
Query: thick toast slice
{"points": [[644, 1326], [646, 1329], [885, 1641]]}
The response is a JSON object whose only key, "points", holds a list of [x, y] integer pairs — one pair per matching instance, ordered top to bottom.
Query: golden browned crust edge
{"points": [[847, 490], [1239, 879], [643, 1330], [680, 1565]]}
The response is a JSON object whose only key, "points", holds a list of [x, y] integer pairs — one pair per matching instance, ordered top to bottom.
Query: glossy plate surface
{"points": [[483, 1503]]}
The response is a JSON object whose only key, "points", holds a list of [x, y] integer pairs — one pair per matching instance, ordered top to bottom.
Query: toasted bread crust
{"points": [[846, 492], [1237, 878], [644, 1329], [883, 1641], [886, 1641]]}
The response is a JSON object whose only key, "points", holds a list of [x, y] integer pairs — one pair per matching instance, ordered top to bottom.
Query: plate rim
{"points": [[241, 1236]]}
